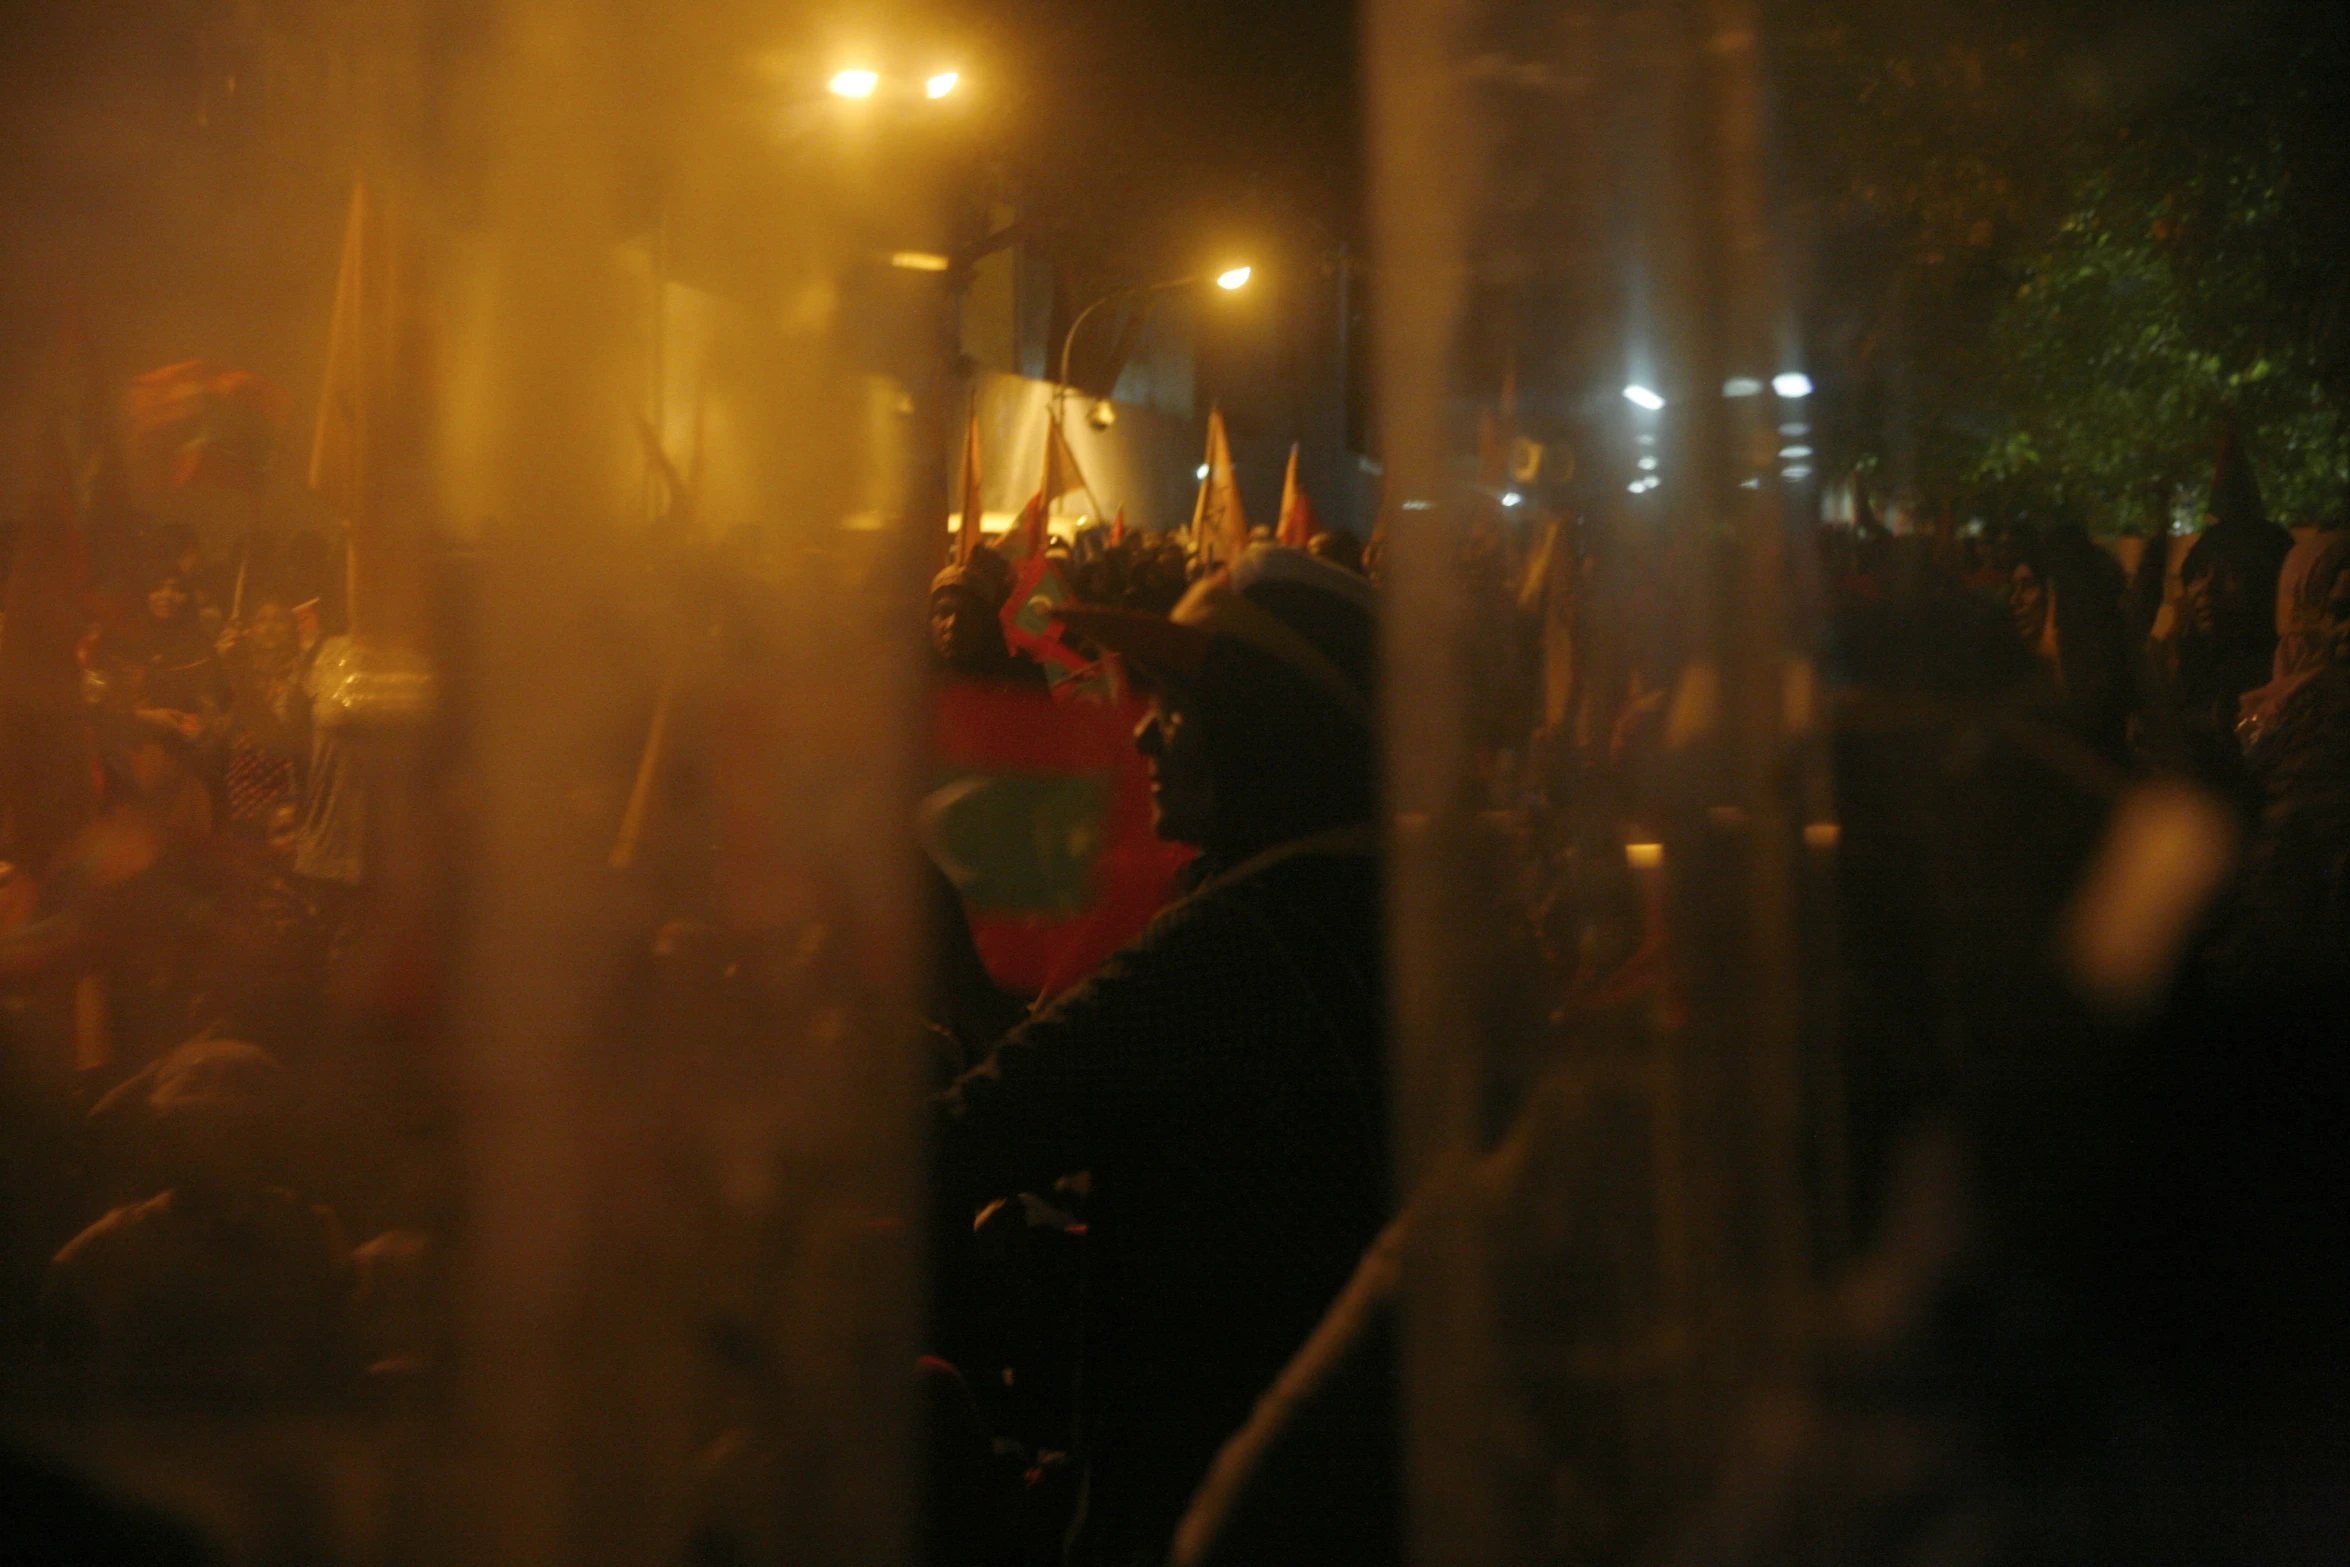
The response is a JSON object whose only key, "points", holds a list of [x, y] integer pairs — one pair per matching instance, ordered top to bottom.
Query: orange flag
{"points": [[365, 453], [1061, 476], [1298, 523], [1118, 528], [1219, 528], [968, 534], [1029, 535]]}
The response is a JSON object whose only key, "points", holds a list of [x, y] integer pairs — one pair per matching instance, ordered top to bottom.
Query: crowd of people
{"points": [[1150, 1186]]}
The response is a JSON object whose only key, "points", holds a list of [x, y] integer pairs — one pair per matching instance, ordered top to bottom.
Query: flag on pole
{"points": [[198, 423], [366, 452], [1061, 475], [1298, 523], [1219, 528], [1029, 531], [968, 534]]}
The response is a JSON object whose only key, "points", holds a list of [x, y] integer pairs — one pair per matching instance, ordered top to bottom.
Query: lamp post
{"points": [[1230, 280]]}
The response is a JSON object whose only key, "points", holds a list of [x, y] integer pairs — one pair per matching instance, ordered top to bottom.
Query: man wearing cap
{"points": [[1220, 1078]]}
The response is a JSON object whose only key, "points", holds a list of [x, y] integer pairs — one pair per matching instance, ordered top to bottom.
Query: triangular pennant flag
{"points": [[338, 444], [367, 454], [1061, 475], [2235, 492], [1298, 525], [1219, 528], [1031, 532], [968, 533]]}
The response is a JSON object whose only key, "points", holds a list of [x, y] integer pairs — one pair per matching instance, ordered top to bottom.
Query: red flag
{"points": [[201, 423], [1298, 523], [1219, 528], [968, 534], [1041, 817]]}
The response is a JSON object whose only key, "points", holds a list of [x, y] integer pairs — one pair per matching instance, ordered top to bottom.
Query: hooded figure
{"points": [[967, 632], [1220, 1078]]}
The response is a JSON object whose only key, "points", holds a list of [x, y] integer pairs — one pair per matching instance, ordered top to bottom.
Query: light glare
{"points": [[943, 83], [855, 84], [918, 261], [1237, 277], [1791, 383], [1741, 386], [1642, 397], [1794, 451], [1648, 465], [1202, 473], [1511, 499]]}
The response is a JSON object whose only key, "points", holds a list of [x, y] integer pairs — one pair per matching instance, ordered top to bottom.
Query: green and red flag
{"points": [[199, 423], [1039, 813]]}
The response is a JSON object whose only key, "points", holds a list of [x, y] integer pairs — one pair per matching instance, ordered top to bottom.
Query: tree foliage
{"points": [[2040, 279]]}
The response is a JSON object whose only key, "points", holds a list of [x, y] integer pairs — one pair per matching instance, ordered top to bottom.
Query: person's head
{"points": [[1339, 548], [2228, 582], [2027, 597], [168, 598], [271, 632], [965, 635], [1264, 682]]}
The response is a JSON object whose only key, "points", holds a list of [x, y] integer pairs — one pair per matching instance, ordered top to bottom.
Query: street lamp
{"points": [[1229, 280]]}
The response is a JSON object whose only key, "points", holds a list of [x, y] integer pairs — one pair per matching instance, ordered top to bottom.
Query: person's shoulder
{"points": [[114, 1231]]}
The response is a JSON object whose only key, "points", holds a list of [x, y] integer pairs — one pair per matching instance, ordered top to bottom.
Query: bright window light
{"points": [[943, 83], [855, 84], [918, 261], [1236, 277], [1791, 383], [1742, 386], [1642, 397], [1797, 428], [1794, 451], [1648, 464], [1799, 471], [1512, 498], [1415, 506]]}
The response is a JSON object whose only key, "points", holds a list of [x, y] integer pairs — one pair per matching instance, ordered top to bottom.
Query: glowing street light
{"points": [[943, 83], [856, 84], [1232, 278], [1791, 383], [1642, 397]]}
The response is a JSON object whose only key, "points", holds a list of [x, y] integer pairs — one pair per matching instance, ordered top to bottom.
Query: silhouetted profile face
{"points": [[2027, 602], [1183, 785]]}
